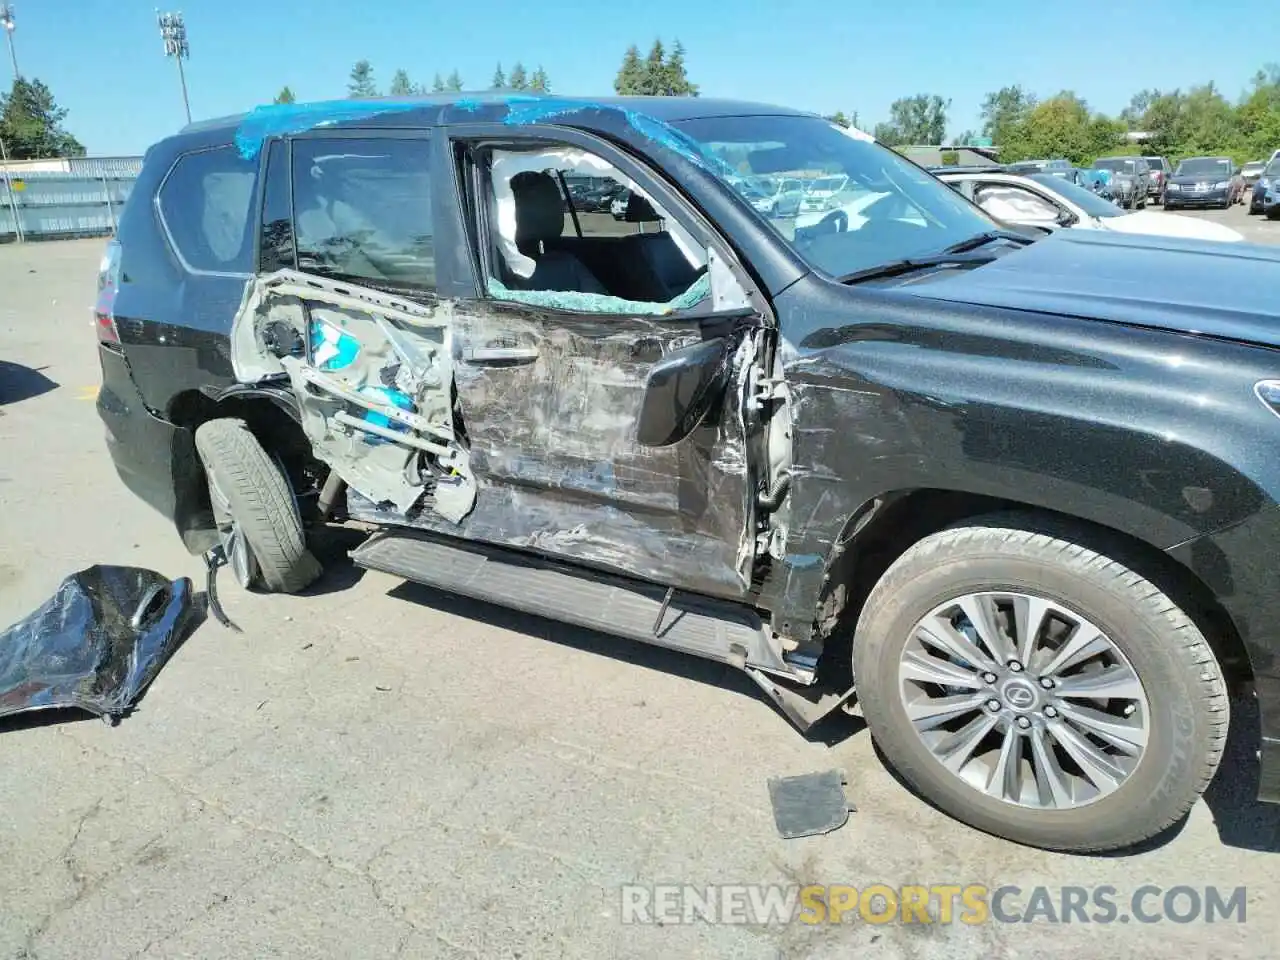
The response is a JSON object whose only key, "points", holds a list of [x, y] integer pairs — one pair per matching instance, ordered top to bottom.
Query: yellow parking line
{"points": [[87, 393]]}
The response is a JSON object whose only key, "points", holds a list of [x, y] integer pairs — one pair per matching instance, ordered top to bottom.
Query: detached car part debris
{"points": [[96, 643]]}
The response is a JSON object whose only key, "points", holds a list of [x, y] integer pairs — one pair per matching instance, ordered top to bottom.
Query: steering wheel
{"points": [[837, 221]]}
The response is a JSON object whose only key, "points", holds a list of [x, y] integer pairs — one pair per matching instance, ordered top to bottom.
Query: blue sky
{"points": [[104, 58]]}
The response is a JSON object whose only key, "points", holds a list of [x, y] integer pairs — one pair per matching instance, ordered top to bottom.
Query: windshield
{"points": [[1115, 165], [1212, 166], [1086, 200], [887, 208]]}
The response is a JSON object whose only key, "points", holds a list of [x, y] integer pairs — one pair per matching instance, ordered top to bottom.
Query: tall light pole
{"points": [[6, 21], [174, 32]]}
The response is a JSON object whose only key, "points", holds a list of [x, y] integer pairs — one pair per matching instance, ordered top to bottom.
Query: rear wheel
{"points": [[257, 515], [1039, 690]]}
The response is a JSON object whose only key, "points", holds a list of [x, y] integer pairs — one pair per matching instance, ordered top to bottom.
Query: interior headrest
{"points": [[539, 206], [640, 210]]}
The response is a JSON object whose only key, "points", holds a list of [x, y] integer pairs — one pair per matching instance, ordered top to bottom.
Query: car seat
{"points": [[539, 218]]}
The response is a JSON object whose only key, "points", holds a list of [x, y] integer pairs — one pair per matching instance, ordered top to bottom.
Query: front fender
{"points": [[1154, 434]]}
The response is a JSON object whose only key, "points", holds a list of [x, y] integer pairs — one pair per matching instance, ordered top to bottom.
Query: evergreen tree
{"points": [[655, 70], [630, 77], [676, 79], [518, 80], [499, 81], [539, 82], [454, 83], [437, 84], [361, 85], [400, 85], [284, 96], [31, 123]]}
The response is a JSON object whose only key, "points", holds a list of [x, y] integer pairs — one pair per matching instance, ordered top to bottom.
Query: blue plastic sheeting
{"points": [[278, 119], [601, 302]]}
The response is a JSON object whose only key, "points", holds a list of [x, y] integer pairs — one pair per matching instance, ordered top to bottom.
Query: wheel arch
{"points": [[272, 416], [882, 530]]}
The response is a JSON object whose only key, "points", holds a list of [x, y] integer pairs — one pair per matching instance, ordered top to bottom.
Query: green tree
{"points": [[655, 68], [675, 77], [519, 79], [630, 79], [499, 81], [539, 82], [454, 83], [400, 84], [437, 84], [361, 85], [284, 96], [1003, 113], [839, 118], [916, 120], [31, 123], [888, 134]]}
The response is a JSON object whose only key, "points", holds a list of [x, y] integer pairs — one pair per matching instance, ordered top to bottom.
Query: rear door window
{"points": [[205, 204], [362, 210]]}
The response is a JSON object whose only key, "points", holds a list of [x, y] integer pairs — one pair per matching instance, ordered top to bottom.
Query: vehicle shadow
{"points": [[18, 382], [331, 545], [831, 731], [1232, 796]]}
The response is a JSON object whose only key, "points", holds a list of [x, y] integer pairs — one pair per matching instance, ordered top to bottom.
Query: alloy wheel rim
{"points": [[235, 547], [1024, 700]]}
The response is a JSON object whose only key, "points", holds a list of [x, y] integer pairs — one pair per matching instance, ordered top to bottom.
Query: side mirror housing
{"points": [[681, 389]]}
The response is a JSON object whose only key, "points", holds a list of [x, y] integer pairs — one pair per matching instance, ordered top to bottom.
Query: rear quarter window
{"points": [[205, 204]]}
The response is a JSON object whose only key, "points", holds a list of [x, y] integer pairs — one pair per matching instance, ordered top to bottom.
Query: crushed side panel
{"points": [[374, 378], [560, 472]]}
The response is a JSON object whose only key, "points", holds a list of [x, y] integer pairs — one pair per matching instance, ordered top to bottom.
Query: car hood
{"points": [[1193, 178], [1171, 225], [1169, 283]]}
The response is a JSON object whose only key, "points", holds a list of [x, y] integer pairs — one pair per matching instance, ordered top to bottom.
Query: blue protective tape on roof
{"points": [[278, 119]]}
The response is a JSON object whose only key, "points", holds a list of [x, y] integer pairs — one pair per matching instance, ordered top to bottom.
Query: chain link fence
{"points": [[83, 201]]}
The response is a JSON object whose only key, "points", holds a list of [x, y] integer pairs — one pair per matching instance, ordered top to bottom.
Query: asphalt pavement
{"points": [[377, 770]]}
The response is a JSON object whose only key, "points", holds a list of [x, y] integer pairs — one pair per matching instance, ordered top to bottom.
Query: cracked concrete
{"points": [[382, 771]]}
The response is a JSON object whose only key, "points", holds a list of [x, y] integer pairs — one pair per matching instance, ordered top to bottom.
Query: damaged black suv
{"points": [[1018, 495]]}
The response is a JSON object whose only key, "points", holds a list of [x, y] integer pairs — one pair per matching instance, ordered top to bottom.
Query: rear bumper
{"points": [[155, 459]]}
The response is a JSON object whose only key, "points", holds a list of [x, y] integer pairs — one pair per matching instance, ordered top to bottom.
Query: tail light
{"points": [[104, 318]]}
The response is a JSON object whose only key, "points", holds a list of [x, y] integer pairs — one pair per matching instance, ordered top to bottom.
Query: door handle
{"points": [[497, 355]]}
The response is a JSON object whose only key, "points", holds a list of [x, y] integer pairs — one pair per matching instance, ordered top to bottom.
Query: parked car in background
{"points": [[1064, 169], [1160, 170], [1250, 174], [1130, 179], [1204, 182], [822, 194], [1265, 197], [779, 198], [1049, 202], [618, 205]]}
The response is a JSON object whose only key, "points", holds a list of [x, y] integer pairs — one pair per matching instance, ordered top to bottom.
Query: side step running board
{"points": [[717, 630]]}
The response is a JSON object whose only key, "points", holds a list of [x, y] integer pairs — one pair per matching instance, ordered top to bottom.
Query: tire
{"points": [[260, 503], [1184, 708]]}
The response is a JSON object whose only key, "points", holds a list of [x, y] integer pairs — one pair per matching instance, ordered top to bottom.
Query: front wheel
{"points": [[1038, 690]]}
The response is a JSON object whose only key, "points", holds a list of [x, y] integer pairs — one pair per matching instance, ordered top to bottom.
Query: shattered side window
{"points": [[205, 203], [362, 210], [568, 230]]}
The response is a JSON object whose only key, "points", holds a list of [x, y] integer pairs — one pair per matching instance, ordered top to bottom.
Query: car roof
{"points": [[428, 111]]}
